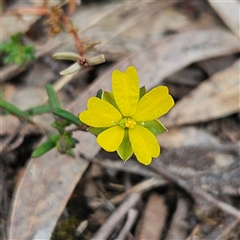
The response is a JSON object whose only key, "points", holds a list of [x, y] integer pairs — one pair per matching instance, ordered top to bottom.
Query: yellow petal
{"points": [[125, 88], [153, 104], [100, 114], [111, 138], [144, 144]]}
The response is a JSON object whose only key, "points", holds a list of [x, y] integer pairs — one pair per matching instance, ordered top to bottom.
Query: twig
{"points": [[9, 139], [15, 144], [131, 167], [188, 186], [139, 188], [196, 191], [132, 214], [227, 225], [107, 228], [178, 228], [194, 232]]}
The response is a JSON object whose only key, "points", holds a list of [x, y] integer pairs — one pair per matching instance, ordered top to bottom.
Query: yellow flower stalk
{"points": [[125, 120]]}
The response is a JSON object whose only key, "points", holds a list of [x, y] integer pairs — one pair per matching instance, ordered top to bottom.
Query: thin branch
{"points": [[196, 191], [108, 227]]}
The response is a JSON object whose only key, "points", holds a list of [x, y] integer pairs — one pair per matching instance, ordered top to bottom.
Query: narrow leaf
{"points": [[66, 56], [96, 60], [72, 69], [53, 98], [12, 109], [38, 110], [68, 116], [53, 137], [43, 148]]}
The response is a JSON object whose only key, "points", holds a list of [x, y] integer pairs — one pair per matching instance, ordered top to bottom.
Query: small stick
{"points": [[130, 167], [139, 188], [194, 190], [132, 214], [179, 227], [107, 228], [223, 230], [194, 232]]}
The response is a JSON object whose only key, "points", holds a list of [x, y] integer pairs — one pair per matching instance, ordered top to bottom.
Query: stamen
{"points": [[127, 123], [130, 123]]}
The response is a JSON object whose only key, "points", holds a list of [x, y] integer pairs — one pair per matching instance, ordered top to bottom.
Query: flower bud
{"points": [[62, 122], [64, 144]]}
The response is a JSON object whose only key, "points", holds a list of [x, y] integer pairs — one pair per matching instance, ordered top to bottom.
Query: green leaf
{"points": [[16, 38], [4, 47], [16, 52], [142, 92], [99, 93], [108, 97], [53, 98], [12, 109], [38, 110], [68, 116], [61, 122], [54, 125], [154, 126], [59, 128], [96, 131], [53, 137], [75, 140], [64, 143], [43, 148], [125, 149], [71, 153]]}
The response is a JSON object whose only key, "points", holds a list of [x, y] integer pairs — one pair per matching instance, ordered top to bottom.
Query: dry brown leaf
{"points": [[229, 12], [85, 14], [124, 31], [159, 61], [214, 65], [27, 97], [215, 98], [187, 137], [48, 181], [42, 193], [179, 227]]}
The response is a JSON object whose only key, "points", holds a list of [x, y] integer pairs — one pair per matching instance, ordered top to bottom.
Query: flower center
{"points": [[127, 123]]}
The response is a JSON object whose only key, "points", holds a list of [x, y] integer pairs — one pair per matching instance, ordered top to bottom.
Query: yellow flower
{"points": [[125, 120]]}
